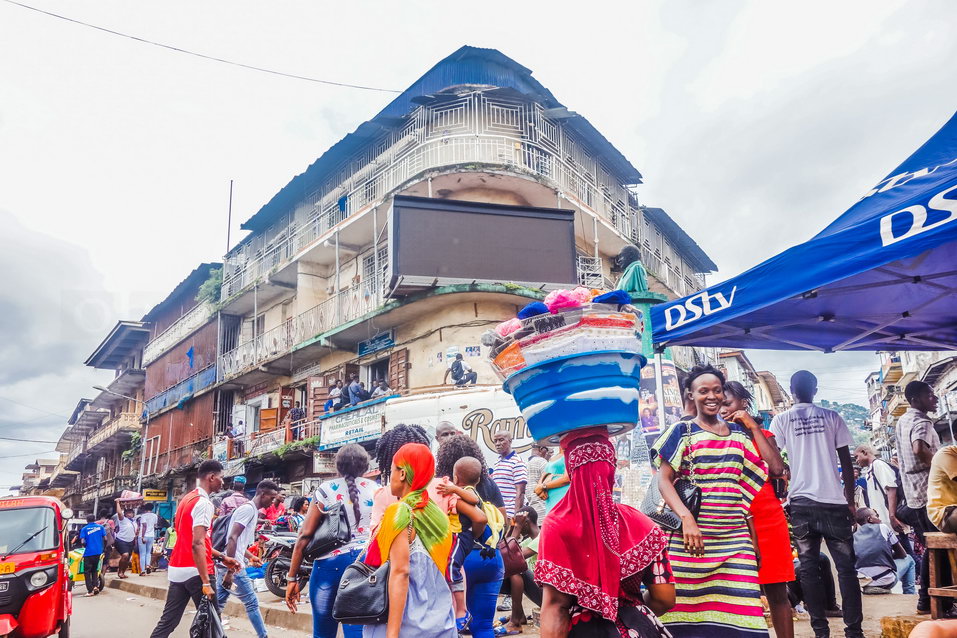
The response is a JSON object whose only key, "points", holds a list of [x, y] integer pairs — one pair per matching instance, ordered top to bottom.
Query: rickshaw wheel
{"points": [[64, 629]]}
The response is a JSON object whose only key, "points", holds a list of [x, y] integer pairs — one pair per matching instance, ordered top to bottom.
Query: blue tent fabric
{"points": [[882, 276]]}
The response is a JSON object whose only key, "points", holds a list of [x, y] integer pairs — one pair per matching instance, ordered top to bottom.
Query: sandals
{"points": [[463, 622], [505, 631]]}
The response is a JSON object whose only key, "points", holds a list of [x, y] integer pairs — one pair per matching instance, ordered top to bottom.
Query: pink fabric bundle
{"points": [[560, 299], [508, 327]]}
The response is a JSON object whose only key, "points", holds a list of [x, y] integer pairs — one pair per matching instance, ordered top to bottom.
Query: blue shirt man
{"points": [[92, 536]]}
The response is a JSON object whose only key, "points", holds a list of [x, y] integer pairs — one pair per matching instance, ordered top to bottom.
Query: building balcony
{"points": [[531, 147], [340, 322], [179, 330], [891, 370], [182, 391], [897, 405], [115, 433], [76, 456], [63, 477], [113, 487]]}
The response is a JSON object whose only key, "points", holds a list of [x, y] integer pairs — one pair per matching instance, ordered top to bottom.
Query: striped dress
{"points": [[718, 593]]}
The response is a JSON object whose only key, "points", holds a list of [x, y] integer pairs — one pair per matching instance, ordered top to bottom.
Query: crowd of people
{"points": [[448, 523]]}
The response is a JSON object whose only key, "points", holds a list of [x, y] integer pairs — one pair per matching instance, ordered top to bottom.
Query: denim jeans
{"points": [[813, 522], [145, 549], [906, 568], [483, 580], [323, 583], [244, 590]]}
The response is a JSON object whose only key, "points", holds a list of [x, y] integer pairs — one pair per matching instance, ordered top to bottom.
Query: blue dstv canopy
{"points": [[882, 276]]}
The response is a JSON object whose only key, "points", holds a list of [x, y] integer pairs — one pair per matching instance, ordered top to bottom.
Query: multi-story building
{"points": [[469, 195], [323, 286], [180, 391], [886, 391], [770, 397], [101, 442]]}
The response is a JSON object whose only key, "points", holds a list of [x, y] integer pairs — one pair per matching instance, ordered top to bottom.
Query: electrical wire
{"points": [[200, 55], [34, 408], [9, 438], [16, 456]]}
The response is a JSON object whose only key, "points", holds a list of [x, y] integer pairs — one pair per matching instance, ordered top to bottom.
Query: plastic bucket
{"points": [[579, 391]]}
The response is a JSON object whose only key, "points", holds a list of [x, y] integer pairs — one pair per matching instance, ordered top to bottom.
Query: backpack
{"points": [[458, 370], [903, 513], [220, 533]]}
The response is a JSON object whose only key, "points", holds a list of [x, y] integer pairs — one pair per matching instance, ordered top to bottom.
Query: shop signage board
{"points": [[382, 341], [352, 425], [323, 462], [155, 495]]}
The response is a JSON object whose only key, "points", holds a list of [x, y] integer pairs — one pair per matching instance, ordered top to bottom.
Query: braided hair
{"points": [[390, 442], [352, 460]]}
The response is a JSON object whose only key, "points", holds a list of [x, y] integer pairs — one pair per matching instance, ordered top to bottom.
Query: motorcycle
{"points": [[278, 556]]}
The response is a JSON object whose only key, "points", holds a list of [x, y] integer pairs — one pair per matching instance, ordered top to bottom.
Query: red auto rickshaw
{"points": [[35, 599]]}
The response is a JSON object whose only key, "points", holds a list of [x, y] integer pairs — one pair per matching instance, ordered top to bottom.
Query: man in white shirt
{"points": [[817, 442], [881, 486], [242, 534], [145, 535], [125, 539]]}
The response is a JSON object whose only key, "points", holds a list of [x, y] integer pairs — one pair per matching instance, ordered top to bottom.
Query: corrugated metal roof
{"points": [[468, 65], [681, 239], [195, 278]]}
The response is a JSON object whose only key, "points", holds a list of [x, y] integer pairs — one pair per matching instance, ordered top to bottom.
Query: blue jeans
{"points": [[813, 522], [145, 550], [906, 568], [483, 580], [323, 583], [243, 589]]}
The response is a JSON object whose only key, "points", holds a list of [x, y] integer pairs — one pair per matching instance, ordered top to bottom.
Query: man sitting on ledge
{"points": [[942, 489]]}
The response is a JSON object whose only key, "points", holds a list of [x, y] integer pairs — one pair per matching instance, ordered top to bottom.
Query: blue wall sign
{"points": [[382, 341]]}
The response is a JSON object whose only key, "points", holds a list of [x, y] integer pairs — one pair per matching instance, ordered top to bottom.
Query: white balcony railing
{"points": [[529, 143], [347, 305], [179, 330], [124, 422]]}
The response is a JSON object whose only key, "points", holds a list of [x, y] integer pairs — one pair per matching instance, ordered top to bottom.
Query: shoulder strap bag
{"points": [[654, 506], [333, 532], [363, 594]]}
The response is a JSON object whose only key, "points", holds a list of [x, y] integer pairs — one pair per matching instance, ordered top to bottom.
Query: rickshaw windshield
{"points": [[18, 525]]}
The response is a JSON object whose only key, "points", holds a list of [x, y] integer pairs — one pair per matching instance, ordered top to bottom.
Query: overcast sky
{"points": [[754, 125]]}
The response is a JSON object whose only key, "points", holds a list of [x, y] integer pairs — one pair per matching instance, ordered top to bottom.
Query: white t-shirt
{"points": [[811, 435], [879, 476], [202, 515], [246, 515], [147, 520], [125, 530]]}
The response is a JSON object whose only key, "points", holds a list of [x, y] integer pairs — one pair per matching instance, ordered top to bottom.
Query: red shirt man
{"points": [[191, 563]]}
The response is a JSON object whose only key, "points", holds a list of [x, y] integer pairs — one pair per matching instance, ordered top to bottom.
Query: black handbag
{"points": [[655, 508], [333, 532], [363, 594]]}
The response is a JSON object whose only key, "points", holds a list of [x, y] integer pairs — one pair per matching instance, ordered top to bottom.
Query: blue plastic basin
{"points": [[579, 391]]}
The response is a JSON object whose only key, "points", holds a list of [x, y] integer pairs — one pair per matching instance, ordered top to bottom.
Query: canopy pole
{"points": [[659, 393]]}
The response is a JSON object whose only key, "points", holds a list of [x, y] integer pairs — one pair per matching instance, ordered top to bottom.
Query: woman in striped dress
{"points": [[713, 558]]}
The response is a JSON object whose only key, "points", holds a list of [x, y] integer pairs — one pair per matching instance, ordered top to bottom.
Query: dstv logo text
{"points": [[915, 220], [696, 307]]}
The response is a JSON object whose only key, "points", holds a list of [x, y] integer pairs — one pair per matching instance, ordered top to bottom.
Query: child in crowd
{"points": [[468, 523], [880, 555]]}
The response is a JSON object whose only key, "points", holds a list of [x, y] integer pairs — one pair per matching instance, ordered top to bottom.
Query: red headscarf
{"points": [[589, 543]]}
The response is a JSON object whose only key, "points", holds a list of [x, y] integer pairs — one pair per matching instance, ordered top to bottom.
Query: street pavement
{"points": [[121, 614]]}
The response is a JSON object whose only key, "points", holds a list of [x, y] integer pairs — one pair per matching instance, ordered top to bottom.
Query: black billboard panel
{"points": [[437, 242]]}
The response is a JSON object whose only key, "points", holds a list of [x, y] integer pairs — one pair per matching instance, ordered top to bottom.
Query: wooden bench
{"points": [[942, 547]]}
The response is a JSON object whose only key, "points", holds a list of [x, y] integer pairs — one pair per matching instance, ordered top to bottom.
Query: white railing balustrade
{"points": [[524, 140], [347, 305], [179, 330], [124, 422]]}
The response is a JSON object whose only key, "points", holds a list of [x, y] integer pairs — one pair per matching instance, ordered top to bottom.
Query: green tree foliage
{"points": [[210, 289]]}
